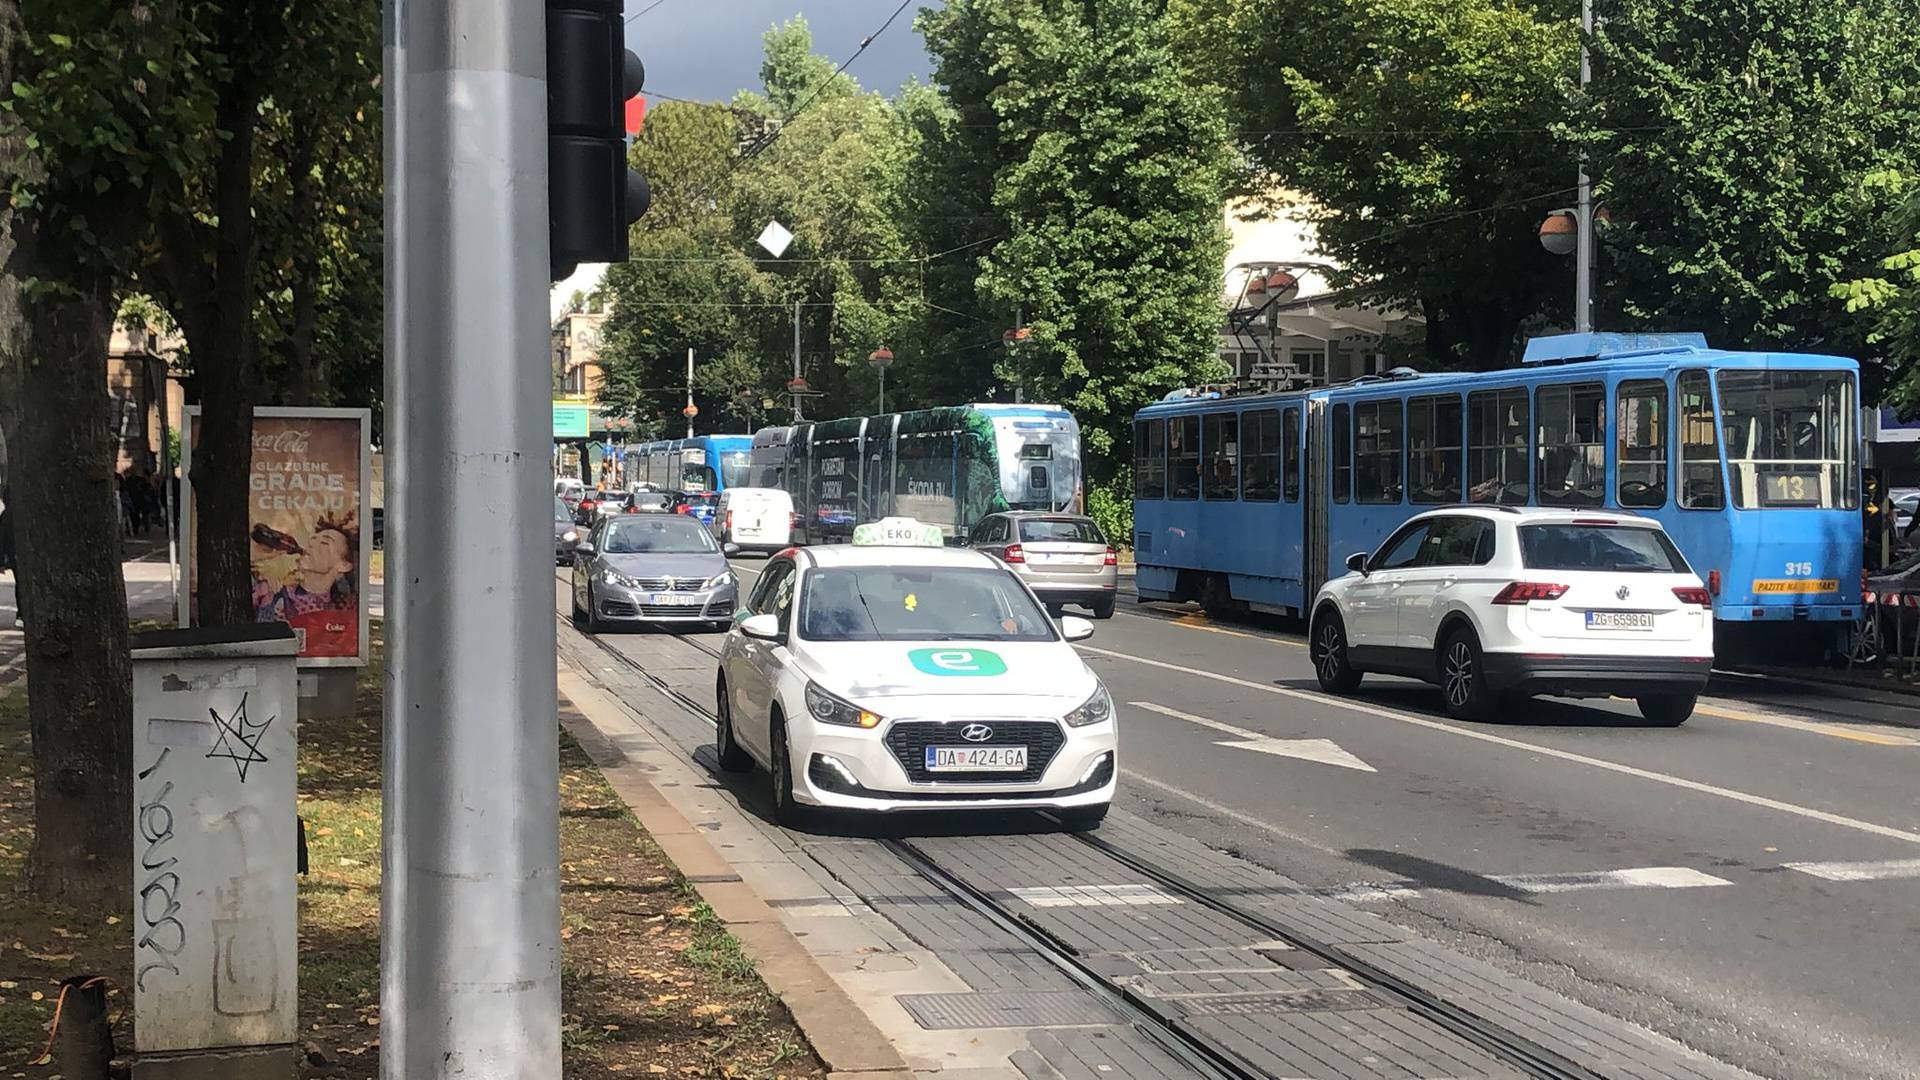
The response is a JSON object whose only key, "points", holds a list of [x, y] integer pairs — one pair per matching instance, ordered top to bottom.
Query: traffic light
{"points": [[592, 197]]}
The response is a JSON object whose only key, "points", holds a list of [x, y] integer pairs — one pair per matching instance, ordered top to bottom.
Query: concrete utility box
{"points": [[214, 847]]}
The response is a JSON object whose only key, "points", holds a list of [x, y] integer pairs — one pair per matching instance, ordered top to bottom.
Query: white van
{"points": [[569, 490], [754, 519]]}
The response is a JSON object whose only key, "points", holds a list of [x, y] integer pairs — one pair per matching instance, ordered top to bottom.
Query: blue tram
{"points": [[1749, 459], [702, 463]]}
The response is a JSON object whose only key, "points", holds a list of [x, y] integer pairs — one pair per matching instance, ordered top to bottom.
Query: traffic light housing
{"points": [[592, 196]]}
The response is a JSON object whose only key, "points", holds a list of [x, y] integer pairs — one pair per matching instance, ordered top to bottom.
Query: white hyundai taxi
{"points": [[1494, 602], [883, 677]]}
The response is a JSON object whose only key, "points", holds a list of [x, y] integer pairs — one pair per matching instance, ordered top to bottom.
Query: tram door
{"points": [[876, 483], [1313, 501]]}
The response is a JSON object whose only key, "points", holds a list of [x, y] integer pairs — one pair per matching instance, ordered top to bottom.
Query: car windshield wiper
{"points": [[968, 637]]}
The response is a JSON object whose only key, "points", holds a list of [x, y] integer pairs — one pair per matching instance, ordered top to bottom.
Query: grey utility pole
{"points": [[1583, 217], [796, 362], [470, 902]]}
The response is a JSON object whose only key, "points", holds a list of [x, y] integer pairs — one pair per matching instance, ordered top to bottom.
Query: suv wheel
{"points": [[1331, 662], [1463, 677], [1666, 710]]}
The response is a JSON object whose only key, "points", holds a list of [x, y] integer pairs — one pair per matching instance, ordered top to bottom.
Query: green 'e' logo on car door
{"points": [[958, 662]]}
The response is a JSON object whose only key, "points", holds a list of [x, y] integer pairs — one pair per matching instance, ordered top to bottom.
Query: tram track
{"points": [[1153, 1019]]}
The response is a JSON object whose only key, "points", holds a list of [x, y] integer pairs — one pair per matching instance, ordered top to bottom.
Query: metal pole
{"points": [[1583, 217], [796, 359], [1019, 369], [689, 391], [883, 391], [170, 511], [470, 901]]}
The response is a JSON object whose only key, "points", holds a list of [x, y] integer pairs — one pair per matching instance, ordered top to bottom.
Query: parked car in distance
{"points": [[569, 490], [649, 502], [698, 505], [754, 519], [565, 532], [1063, 558], [660, 568], [1492, 603]]}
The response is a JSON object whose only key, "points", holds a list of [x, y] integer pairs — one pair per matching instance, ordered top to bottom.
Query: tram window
{"points": [[1572, 422], [1497, 425], [1378, 427], [1260, 434], [1791, 438], [1699, 445], [1641, 446], [1433, 450], [1290, 454], [1342, 454], [1183, 457], [1149, 459], [1221, 478]]}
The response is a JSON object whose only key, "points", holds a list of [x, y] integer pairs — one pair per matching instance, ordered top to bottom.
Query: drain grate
{"points": [[1304, 1001], [1006, 1009]]}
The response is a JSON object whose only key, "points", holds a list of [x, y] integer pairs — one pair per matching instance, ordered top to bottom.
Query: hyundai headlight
{"points": [[615, 577], [720, 580], [829, 709], [1097, 709]]}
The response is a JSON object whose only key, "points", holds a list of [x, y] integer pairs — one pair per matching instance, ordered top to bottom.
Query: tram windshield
{"points": [[1790, 439], [734, 466]]}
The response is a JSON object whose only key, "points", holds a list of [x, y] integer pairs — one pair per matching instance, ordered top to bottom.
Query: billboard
{"points": [[571, 419], [308, 498]]}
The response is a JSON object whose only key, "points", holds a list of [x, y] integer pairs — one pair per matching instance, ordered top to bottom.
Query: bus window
{"points": [[1497, 425], [1378, 426], [1791, 438], [1699, 444], [1641, 445], [1433, 449], [1290, 453], [1573, 453], [1342, 454], [1183, 457], [1149, 459], [1260, 463], [1221, 478]]}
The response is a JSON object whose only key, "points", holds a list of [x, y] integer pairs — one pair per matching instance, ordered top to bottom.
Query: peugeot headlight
{"points": [[615, 577], [720, 580], [829, 709], [1095, 710]]}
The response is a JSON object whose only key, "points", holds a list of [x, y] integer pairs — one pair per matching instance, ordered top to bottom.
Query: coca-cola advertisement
{"points": [[307, 495]]}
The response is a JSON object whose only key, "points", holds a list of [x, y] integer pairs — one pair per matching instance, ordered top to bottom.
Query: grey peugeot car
{"points": [[564, 532], [655, 568]]}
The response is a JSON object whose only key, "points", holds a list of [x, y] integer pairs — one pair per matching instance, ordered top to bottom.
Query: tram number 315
{"points": [[1799, 569]]}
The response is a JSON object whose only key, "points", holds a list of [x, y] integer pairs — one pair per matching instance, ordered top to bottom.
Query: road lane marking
{"points": [[1873, 736], [1324, 751], [1682, 782], [1884, 870], [1636, 877], [1140, 895]]}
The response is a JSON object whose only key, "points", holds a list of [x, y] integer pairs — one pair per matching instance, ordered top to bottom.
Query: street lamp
{"points": [[1571, 229], [881, 359]]}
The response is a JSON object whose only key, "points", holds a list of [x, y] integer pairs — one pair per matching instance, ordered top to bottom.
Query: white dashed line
{"points": [[1885, 870], [1140, 895]]}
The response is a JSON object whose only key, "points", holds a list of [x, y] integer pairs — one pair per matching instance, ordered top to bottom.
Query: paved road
{"points": [[1748, 884]]}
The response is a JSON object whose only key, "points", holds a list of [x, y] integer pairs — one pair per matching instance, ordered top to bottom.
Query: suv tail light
{"points": [[793, 519], [1014, 554], [1112, 557], [1713, 582], [1522, 592], [1693, 594]]}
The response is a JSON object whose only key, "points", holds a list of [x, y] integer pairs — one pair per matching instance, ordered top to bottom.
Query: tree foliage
{"points": [[1422, 131], [1738, 147], [1106, 171], [1887, 298]]}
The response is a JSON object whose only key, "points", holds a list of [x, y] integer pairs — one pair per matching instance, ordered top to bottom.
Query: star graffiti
{"points": [[239, 738]]}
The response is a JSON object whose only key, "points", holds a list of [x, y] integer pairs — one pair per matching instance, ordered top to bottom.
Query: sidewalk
{"points": [[938, 991]]}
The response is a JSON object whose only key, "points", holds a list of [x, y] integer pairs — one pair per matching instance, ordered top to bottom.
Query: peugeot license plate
{"points": [[675, 599], [1619, 620], [976, 758]]}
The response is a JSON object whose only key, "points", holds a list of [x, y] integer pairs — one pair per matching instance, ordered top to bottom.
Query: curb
{"points": [[843, 1037]]}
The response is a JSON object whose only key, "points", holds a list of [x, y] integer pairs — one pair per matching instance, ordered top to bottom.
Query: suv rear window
{"points": [[1060, 531], [1623, 549]]}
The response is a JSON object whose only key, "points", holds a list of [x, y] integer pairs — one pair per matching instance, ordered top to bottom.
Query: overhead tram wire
{"points": [[643, 11]]}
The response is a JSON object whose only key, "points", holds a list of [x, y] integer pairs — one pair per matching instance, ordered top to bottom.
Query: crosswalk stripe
{"points": [[1883, 870], [1636, 877]]}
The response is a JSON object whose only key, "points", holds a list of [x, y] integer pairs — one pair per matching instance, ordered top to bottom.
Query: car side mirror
{"points": [[583, 547], [730, 550], [1357, 562], [764, 627], [1075, 628]]}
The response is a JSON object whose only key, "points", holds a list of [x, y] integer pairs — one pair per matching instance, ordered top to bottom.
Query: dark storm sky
{"points": [[707, 49]]}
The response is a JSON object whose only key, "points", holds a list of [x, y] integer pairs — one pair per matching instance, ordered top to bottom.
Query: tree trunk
{"points": [[53, 367], [308, 385], [223, 445]]}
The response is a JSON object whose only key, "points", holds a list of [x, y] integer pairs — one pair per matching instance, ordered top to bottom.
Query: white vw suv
{"points": [[1491, 602]]}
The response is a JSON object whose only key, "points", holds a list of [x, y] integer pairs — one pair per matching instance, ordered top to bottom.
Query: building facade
{"points": [[1286, 325], [576, 353], [141, 383]]}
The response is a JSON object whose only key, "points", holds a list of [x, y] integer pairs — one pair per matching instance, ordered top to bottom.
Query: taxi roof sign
{"points": [[898, 532]]}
